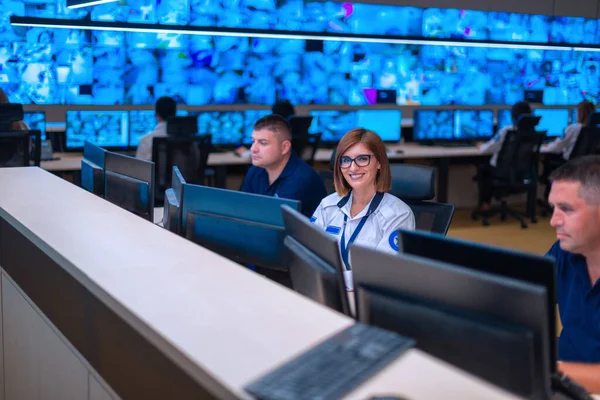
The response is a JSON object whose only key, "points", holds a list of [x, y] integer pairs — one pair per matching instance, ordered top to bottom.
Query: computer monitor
{"points": [[250, 118], [504, 118], [36, 120], [554, 120], [142, 122], [386, 123], [332, 124], [473, 124], [433, 125], [226, 127], [109, 129], [92, 168], [129, 183], [173, 200], [248, 234], [314, 262], [503, 262], [491, 326]]}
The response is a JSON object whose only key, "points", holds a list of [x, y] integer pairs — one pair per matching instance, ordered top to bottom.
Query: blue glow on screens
{"points": [[68, 66], [250, 118], [504, 118], [36, 120], [554, 121], [142, 122], [386, 123], [332, 124], [473, 124], [433, 125], [226, 127], [104, 128]]}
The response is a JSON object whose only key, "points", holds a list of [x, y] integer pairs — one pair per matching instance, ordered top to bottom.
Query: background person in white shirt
{"points": [[165, 108], [564, 145], [361, 211]]}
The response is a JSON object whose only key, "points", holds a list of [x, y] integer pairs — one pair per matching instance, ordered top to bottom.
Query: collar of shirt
{"points": [[288, 170], [346, 209]]}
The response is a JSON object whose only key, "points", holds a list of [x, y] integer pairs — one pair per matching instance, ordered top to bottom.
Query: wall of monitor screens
{"points": [[79, 67], [123, 129]]}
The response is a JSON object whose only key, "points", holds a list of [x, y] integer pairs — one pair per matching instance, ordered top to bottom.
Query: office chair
{"points": [[587, 143], [14, 144], [307, 144], [188, 153], [515, 173], [327, 177], [415, 185]]}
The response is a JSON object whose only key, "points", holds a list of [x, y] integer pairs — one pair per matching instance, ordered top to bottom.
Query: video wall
{"points": [[67, 66]]}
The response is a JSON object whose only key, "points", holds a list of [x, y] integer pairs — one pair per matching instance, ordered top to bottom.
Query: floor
{"points": [[538, 238]]}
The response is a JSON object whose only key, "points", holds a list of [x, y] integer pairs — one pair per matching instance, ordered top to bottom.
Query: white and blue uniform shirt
{"points": [[379, 230]]}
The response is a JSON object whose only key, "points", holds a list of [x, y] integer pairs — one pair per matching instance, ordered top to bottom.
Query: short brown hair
{"points": [[584, 110], [275, 123], [586, 171], [383, 181]]}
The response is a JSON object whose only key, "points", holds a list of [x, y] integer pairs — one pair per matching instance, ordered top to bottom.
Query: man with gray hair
{"points": [[575, 198]]}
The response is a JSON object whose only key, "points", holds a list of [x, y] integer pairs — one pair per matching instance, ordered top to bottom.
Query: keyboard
{"points": [[333, 367]]}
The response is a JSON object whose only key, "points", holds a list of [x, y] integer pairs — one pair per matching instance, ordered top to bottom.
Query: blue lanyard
{"points": [[345, 249]]}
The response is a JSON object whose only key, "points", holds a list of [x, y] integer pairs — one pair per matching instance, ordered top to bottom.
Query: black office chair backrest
{"points": [[9, 113], [300, 126], [587, 143], [306, 147], [14, 149], [188, 153], [518, 158], [327, 177], [413, 182], [431, 216]]}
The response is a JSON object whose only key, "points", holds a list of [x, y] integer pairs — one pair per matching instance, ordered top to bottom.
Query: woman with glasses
{"points": [[361, 211]]}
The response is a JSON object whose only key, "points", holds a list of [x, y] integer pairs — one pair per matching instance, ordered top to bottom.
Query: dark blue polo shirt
{"points": [[298, 181], [579, 308]]}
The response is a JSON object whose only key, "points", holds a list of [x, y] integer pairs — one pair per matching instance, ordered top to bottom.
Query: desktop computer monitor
{"points": [[250, 118], [504, 119], [36, 120], [554, 120], [142, 122], [386, 123], [331, 124], [473, 124], [433, 125], [226, 127], [109, 129], [92, 168], [129, 183], [173, 200], [244, 227], [314, 262], [503, 262], [493, 327]]}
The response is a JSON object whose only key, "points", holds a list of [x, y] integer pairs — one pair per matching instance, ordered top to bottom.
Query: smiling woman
{"points": [[361, 211]]}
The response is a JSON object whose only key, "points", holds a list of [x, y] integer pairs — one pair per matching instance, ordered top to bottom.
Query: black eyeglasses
{"points": [[361, 160]]}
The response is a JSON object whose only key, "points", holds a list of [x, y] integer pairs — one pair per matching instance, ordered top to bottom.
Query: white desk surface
{"points": [[72, 161], [223, 324]]}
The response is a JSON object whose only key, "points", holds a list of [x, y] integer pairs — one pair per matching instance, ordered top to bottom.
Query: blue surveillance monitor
{"points": [[250, 118], [504, 118], [36, 120], [554, 120], [142, 122], [386, 123], [332, 124], [473, 124], [433, 125], [226, 127], [109, 129], [252, 234]]}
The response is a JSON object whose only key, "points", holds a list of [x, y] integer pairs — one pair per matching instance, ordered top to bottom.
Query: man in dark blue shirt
{"points": [[277, 171], [575, 196]]}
